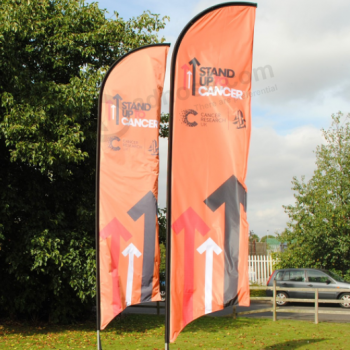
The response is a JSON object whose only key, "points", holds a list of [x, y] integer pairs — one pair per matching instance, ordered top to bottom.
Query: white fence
{"points": [[260, 268]]}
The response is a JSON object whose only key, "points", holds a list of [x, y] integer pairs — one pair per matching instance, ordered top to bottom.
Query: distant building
{"points": [[275, 246], [257, 248]]}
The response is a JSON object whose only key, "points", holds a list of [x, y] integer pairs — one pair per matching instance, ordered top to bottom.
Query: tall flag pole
{"points": [[210, 125], [127, 248]]}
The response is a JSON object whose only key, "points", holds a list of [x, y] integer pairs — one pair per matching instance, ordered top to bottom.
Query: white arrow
{"points": [[189, 79], [113, 111], [209, 246], [130, 250]]}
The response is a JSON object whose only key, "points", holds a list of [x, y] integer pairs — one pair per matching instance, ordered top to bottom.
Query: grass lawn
{"points": [[147, 332]]}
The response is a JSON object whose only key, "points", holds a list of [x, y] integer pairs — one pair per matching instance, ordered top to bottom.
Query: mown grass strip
{"points": [[147, 332]]}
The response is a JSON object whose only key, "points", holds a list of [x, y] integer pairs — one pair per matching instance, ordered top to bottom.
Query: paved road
{"points": [[256, 305], [285, 315]]}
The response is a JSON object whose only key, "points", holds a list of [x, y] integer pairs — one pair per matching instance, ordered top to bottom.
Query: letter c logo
{"points": [[185, 115], [114, 138]]}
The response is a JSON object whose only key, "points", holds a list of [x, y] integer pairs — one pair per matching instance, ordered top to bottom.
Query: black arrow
{"points": [[194, 62], [118, 98], [232, 194], [147, 206]]}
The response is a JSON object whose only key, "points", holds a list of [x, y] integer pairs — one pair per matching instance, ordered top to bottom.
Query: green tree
{"points": [[53, 54], [164, 125], [318, 232], [253, 236], [162, 243]]}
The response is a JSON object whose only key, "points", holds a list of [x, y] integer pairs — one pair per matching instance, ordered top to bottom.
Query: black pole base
{"points": [[99, 344]]}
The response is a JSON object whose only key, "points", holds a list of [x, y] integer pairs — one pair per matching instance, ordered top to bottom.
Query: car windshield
{"points": [[335, 276]]}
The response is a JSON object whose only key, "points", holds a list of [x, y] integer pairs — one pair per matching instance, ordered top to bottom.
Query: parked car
{"points": [[308, 278]]}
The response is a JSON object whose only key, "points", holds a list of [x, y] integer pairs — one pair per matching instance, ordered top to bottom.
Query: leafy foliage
{"points": [[53, 54], [164, 125], [162, 225], [318, 233], [162, 244]]}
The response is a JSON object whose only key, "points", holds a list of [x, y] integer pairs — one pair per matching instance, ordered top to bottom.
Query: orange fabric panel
{"points": [[211, 125], [128, 180], [243, 268], [156, 282]]}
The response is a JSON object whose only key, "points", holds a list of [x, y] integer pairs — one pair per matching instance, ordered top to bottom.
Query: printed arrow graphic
{"points": [[194, 62], [185, 67], [189, 79], [118, 98], [113, 111], [232, 194], [147, 206], [189, 221], [116, 230], [209, 246], [130, 250]]}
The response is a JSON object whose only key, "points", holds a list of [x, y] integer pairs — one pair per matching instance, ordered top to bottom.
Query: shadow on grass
{"points": [[124, 323], [217, 324], [293, 344]]}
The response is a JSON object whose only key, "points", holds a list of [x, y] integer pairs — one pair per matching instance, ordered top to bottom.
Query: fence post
{"points": [[270, 265], [265, 266], [316, 306], [158, 308], [234, 313], [274, 313]]}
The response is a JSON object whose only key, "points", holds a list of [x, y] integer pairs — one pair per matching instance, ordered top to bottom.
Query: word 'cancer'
{"points": [[221, 91]]}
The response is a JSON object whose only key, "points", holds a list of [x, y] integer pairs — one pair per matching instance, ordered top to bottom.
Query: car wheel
{"points": [[281, 295], [346, 298]]}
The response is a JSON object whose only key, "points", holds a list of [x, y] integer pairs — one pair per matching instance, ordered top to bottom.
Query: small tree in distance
{"points": [[318, 231], [253, 236]]}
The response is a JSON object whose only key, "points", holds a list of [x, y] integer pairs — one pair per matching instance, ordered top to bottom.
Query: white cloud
{"points": [[305, 44], [308, 47], [273, 161]]}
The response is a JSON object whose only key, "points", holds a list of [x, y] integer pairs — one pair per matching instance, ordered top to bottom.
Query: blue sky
{"points": [[307, 47]]}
